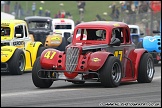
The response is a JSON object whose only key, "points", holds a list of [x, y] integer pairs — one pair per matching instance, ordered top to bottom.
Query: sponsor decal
{"points": [[116, 25], [6, 49], [96, 59]]}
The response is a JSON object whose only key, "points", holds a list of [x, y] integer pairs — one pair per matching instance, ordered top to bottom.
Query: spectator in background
{"points": [[136, 4], [7, 6], [81, 6], [123, 6], [33, 8], [16, 9], [40, 11], [46, 13], [49, 13], [116, 14], [69, 16]]}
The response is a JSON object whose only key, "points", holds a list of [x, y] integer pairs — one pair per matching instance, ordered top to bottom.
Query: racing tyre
{"points": [[139, 45], [40, 50], [16, 64], [146, 69], [111, 72], [40, 83]]}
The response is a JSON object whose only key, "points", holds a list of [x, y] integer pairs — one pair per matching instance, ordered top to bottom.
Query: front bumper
{"points": [[4, 67], [59, 75]]}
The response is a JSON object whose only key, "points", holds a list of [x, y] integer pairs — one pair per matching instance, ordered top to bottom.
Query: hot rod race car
{"points": [[41, 29], [135, 33], [153, 45], [18, 52], [106, 55]]}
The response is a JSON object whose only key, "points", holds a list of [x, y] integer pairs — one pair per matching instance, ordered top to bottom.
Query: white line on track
{"points": [[155, 78], [34, 92]]}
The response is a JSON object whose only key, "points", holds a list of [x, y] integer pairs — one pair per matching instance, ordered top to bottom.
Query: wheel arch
{"points": [[7, 52], [139, 53], [97, 60]]}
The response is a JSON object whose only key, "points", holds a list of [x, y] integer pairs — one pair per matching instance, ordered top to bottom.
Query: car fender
{"points": [[152, 43], [31, 51], [7, 52], [135, 56], [49, 58], [97, 60]]}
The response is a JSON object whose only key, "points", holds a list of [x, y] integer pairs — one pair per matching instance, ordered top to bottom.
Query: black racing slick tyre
{"points": [[40, 50], [16, 64], [146, 69], [111, 72], [40, 83]]}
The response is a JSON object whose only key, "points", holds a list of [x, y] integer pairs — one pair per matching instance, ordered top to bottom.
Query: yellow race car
{"points": [[18, 51]]}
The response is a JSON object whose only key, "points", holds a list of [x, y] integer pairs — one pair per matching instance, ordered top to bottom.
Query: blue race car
{"points": [[135, 33], [152, 44]]}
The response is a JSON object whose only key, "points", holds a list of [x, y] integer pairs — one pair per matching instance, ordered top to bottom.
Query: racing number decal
{"points": [[48, 54], [118, 54]]}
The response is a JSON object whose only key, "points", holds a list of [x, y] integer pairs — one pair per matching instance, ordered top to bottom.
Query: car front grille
{"points": [[72, 55]]}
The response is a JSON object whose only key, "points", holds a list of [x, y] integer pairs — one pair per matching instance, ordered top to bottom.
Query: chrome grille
{"points": [[72, 56]]}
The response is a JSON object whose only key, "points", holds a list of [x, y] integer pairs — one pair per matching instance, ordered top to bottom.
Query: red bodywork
{"points": [[93, 61]]}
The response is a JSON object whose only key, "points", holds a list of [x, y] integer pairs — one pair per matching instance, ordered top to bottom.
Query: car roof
{"points": [[37, 17], [11, 21], [112, 24], [133, 26]]}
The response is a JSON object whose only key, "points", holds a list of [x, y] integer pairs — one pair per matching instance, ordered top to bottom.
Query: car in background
{"points": [[64, 26], [41, 29], [135, 33], [153, 45], [18, 51], [103, 53]]}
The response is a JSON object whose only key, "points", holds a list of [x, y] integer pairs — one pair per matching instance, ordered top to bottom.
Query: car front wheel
{"points": [[111, 72]]}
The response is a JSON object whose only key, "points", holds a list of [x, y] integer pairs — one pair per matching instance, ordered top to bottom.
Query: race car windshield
{"points": [[39, 25], [57, 27], [133, 30], [5, 31], [91, 34]]}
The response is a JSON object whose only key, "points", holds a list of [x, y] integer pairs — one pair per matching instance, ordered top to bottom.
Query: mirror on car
{"points": [[18, 35], [69, 39], [115, 42]]}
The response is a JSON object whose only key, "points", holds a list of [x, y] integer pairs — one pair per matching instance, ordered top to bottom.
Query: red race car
{"points": [[105, 55]]}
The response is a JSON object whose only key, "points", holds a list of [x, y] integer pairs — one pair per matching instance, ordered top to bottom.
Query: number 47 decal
{"points": [[118, 54], [48, 55]]}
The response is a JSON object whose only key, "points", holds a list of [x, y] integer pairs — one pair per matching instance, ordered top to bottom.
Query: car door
{"points": [[18, 40]]}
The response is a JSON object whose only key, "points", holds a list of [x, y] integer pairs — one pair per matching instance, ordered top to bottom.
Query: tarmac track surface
{"points": [[19, 91]]}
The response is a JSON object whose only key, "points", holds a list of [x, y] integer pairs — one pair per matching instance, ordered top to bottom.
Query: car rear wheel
{"points": [[16, 64], [146, 69], [111, 72], [40, 83]]}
